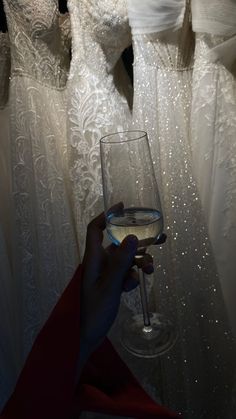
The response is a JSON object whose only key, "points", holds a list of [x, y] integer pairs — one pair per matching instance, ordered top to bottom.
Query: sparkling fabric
{"points": [[98, 96], [4, 130], [214, 155], [43, 245], [7, 300], [195, 376]]}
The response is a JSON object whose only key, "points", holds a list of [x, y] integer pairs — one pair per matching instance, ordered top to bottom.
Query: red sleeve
{"points": [[46, 387]]}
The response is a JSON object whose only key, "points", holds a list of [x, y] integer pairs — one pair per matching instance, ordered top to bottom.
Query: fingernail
{"points": [[130, 242], [149, 269], [131, 285]]}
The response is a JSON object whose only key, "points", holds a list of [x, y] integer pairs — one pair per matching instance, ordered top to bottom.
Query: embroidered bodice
{"points": [[100, 34], [39, 39], [97, 96]]}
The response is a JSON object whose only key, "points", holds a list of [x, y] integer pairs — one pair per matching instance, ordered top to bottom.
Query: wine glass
{"points": [[128, 177]]}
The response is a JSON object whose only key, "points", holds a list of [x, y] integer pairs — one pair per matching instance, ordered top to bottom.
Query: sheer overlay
{"points": [[98, 96], [184, 97], [213, 125], [43, 245], [8, 350], [197, 373]]}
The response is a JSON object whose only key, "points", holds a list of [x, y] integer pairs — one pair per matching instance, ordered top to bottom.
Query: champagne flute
{"points": [[128, 177]]}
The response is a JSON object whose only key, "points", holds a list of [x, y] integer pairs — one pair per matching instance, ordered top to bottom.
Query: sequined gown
{"points": [[98, 97], [4, 130], [214, 153], [44, 250], [8, 302], [195, 376]]}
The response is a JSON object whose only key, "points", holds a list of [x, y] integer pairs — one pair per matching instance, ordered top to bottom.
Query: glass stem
{"points": [[144, 300]]}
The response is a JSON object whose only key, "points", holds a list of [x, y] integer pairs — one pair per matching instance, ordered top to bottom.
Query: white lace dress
{"points": [[98, 96], [4, 131], [214, 132], [44, 249], [8, 355], [195, 376]]}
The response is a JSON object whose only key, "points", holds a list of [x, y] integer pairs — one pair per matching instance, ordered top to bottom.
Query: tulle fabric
{"points": [[155, 15], [98, 98], [213, 127], [40, 247], [186, 287], [8, 303]]}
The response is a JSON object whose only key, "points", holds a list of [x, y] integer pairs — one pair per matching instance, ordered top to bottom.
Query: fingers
{"points": [[116, 208], [96, 227], [95, 232], [161, 239], [92, 260], [120, 261], [145, 262], [132, 278], [131, 281]]}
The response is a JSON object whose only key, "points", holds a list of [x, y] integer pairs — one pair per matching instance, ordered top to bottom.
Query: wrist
{"points": [[85, 351]]}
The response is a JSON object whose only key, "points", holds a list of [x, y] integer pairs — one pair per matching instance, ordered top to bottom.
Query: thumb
{"points": [[120, 262]]}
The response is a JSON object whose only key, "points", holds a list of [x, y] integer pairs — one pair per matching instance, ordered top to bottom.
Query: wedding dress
{"points": [[98, 97], [4, 130], [213, 132], [44, 249], [7, 301], [195, 375]]}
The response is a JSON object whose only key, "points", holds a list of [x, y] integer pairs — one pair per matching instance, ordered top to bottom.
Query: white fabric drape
{"points": [[155, 16], [216, 17], [163, 88], [187, 104], [95, 107], [213, 131], [40, 243], [8, 301]]}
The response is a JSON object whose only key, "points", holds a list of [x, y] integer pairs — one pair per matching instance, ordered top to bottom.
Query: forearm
{"points": [[84, 354]]}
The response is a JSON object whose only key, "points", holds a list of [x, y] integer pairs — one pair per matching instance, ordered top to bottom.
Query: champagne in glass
{"points": [[128, 177], [145, 223]]}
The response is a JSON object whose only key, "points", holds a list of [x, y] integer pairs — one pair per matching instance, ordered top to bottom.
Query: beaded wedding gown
{"points": [[98, 97], [214, 130], [4, 131], [44, 250], [8, 357], [197, 373]]}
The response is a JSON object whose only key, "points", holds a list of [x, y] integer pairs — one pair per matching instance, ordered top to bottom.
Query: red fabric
{"points": [[46, 388], [114, 390]]}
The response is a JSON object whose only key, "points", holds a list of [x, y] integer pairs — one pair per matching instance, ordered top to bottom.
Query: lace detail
{"points": [[100, 33], [37, 39], [4, 133], [214, 155], [44, 242], [44, 246]]}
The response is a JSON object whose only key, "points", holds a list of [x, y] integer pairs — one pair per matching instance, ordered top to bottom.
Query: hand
{"points": [[106, 273]]}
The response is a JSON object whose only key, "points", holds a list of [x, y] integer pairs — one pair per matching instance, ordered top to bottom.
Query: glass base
{"points": [[148, 341]]}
